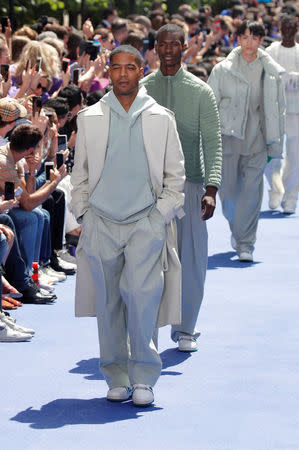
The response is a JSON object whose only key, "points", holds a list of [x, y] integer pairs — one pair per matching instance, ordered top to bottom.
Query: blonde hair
{"points": [[26, 31], [50, 60]]}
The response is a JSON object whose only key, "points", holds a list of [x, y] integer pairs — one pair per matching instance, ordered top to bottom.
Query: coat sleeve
{"points": [[211, 138], [275, 149], [79, 177], [171, 199]]}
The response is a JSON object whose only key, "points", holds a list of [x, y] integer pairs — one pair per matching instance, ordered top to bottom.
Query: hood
{"points": [[270, 66], [141, 102]]}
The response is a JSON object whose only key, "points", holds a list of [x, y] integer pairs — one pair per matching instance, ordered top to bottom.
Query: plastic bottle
{"points": [[35, 272]]}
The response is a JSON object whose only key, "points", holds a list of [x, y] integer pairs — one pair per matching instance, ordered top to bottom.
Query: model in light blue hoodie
{"points": [[124, 193]]}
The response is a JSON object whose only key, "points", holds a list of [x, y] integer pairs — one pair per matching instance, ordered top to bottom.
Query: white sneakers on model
{"points": [[274, 199], [245, 257], [187, 343], [119, 394], [142, 395]]}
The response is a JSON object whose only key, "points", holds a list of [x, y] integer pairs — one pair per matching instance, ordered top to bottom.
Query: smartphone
{"points": [[4, 23], [145, 45], [38, 63], [65, 64], [27, 65], [5, 72], [76, 74], [36, 105], [49, 114], [62, 142], [59, 160], [49, 165], [9, 190], [18, 191]]}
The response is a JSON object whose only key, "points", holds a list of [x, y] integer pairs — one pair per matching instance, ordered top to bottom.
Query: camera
{"points": [[90, 48]]}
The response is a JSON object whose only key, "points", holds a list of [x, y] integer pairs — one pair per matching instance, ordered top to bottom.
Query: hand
{"points": [[88, 29], [7, 31], [209, 39], [99, 65], [66, 76], [35, 79], [5, 85], [40, 121], [57, 175], [208, 202], [7, 205], [8, 233]]}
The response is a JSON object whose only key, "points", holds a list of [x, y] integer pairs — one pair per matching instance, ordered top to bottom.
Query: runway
{"points": [[240, 391]]}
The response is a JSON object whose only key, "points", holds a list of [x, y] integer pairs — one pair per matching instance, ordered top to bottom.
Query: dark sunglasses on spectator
{"points": [[43, 88]]}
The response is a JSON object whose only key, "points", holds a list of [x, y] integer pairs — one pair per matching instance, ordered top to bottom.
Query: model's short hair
{"points": [[287, 18], [255, 28], [174, 29], [127, 49], [25, 136]]}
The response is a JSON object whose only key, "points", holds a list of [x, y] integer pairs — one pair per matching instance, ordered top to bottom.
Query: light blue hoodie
{"points": [[124, 193]]}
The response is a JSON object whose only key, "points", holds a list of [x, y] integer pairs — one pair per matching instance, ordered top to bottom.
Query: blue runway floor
{"points": [[240, 391]]}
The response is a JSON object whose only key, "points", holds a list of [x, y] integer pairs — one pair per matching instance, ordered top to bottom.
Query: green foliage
{"points": [[28, 11]]}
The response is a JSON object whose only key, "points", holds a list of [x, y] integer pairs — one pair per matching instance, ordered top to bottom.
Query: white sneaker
{"points": [[274, 199], [288, 206], [233, 242], [66, 256], [245, 257], [66, 265], [60, 276], [46, 277], [7, 320], [9, 335], [187, 343], [119, 394], [142, 395]]}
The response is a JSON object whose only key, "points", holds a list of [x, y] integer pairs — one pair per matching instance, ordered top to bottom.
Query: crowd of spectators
{"points": [[48, 74]]}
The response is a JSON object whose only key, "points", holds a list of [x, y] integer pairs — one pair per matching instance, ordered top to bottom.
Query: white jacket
{"points": [[232, 93], [166, 167]]}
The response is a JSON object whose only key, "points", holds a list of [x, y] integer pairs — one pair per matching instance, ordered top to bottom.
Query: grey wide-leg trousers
{"points": [[241, 194], [193, 254], [131, 260]]}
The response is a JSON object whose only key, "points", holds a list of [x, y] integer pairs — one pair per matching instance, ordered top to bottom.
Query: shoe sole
{"points": [[188, 351], [114, 400], [143, 405]]}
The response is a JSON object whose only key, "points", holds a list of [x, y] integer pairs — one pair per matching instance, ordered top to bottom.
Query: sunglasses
{"points": [[43, 88]]}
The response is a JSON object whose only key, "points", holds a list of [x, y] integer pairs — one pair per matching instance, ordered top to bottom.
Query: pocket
{"points": [[157, 224]]}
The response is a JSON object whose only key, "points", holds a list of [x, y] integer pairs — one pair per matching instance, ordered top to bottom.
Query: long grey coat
{"points": [[166, 166]]}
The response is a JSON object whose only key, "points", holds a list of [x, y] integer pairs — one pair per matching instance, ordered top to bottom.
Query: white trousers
{"points": [[283, 178], [241, 194], [193, 253], [131, 258]]}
